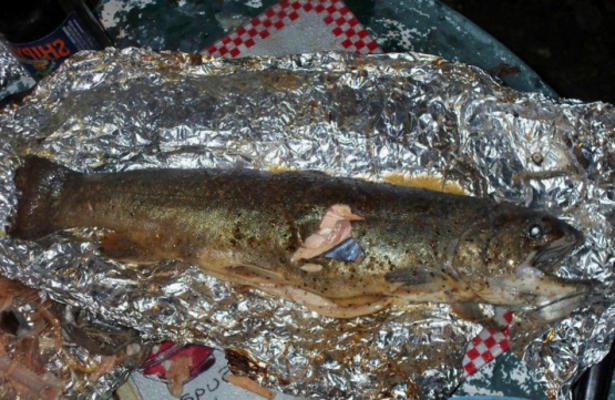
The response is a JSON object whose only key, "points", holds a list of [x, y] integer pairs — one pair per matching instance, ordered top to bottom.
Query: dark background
{"points": [[570, 44]]}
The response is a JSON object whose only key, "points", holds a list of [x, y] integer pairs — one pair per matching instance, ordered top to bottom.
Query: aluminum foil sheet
{"points": [[13, 76], [347, 115], [34, 340]]}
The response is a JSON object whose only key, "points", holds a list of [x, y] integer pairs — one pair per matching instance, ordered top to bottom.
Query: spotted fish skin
{"points": [[244, 226]]}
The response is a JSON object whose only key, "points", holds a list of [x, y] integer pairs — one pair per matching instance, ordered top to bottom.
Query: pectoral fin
{"points": [[409, 276]]}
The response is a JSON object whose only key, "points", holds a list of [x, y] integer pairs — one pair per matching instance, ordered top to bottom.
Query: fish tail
{"points": [[40, 182]]}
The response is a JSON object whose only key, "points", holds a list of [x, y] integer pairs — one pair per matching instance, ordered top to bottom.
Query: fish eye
{"points": [[535, 231]]}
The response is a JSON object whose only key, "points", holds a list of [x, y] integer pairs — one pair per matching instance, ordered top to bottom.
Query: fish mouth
{"points": [[550, 254]]}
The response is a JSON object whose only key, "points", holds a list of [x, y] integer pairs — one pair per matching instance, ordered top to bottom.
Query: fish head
{"points": [[515, 239], [525, 239], [553, 240], [512, 256]]}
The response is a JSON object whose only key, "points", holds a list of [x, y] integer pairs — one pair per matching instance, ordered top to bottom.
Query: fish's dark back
{"points": [[215, 199]]}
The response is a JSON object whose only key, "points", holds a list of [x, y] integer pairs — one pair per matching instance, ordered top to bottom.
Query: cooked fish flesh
{"points": [[342, 247]]}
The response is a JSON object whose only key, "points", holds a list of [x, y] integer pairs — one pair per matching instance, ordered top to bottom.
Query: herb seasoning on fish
{"points": [[342, 247]]}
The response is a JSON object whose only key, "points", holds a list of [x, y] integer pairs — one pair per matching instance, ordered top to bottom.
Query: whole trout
{"points": [[342, 247]]}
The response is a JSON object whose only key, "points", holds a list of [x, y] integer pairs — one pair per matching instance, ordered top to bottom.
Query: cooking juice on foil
{"points": [[314, 275]]}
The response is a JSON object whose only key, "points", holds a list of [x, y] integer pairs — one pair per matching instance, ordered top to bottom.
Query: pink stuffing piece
{"points": [[333, 230]]}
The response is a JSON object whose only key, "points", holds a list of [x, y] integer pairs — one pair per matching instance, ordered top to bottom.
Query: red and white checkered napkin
{"points": [[298, 26], [488, 344]]}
